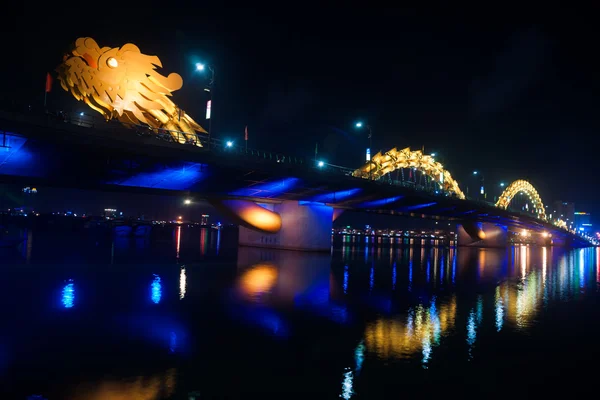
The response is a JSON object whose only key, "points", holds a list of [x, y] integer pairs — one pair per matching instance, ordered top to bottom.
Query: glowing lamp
{"points": [[251, 214]]}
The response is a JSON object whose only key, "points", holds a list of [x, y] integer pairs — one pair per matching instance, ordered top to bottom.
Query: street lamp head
{"points": [[199, 67], [359, 124], [229, 143], [432, 154], [320, 164], [474, 172], [501, 184], [187, 201]]}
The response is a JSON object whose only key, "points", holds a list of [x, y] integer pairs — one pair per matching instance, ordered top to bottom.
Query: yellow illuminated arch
{"points": [[382, 164], [522, 186]]}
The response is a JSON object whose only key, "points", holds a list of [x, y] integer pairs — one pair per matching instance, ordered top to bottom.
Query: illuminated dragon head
{"points": [[122, 83]]}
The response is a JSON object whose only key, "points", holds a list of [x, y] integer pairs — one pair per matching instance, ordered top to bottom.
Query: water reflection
{"points": [[258, 280], [524, 282], [182, 283], [156, 290], [68, 294], [359, 320], [420, 330], [139, 388]]}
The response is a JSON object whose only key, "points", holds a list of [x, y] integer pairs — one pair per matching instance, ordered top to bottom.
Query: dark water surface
{"points": [[188, 315]]}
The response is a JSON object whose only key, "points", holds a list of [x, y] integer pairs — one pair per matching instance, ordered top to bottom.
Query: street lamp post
{"points": [[211, 89], [360, 125], [482, 188]]}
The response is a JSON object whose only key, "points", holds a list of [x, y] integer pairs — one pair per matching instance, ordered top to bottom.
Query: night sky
{"points": [[513, 97]]}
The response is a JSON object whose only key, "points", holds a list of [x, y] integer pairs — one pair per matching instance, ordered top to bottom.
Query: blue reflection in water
{"points": [[453, 266], [410, 269], [346, 276], [394, 276], [372, 279], [156, 289], [68, 294], [479, 309], [499, 310], [264, 318], [165, 331], [471, 332], [173, 342], [359, 356], [347, 383]]}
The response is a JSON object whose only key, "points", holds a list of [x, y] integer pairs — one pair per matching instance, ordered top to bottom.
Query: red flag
{"points": [[48, 82], [246, 133]]}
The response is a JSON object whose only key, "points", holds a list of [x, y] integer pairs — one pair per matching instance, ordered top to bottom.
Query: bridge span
{"points": [[279, 201]]}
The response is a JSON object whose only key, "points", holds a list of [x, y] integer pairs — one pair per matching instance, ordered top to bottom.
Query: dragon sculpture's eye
{"points": [[112, 62]]}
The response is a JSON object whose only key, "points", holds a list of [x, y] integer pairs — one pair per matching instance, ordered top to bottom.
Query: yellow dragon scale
{"points": [[123, 84]]}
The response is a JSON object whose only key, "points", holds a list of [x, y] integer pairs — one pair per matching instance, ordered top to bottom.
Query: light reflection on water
{"points": [[356, 312], [140, 388]]}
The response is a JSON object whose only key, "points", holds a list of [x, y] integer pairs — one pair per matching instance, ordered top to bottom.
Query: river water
{"points": [[188, 315]]}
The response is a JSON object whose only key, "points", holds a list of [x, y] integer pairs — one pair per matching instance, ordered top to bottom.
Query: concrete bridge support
{"points": [[290, 225], [482, 234]]}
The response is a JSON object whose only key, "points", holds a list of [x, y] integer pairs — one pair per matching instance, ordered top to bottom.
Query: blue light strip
{"points": [[268, 189], [334, 197], [380, 202], [416, 207]]}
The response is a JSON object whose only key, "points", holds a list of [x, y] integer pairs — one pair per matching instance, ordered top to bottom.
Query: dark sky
{"points": [[508, 92]]}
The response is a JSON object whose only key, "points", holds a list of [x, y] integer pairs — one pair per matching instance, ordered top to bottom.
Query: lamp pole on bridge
{"points": [[210, 90], [368, 153], [482, 188]]}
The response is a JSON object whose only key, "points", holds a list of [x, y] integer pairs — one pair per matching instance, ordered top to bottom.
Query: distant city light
{"points": [[199, 67], [81, 114], [359, 124], [229, 143], [432, 154], [320, 164], [475, 172], [501, 184], [187, 201]]}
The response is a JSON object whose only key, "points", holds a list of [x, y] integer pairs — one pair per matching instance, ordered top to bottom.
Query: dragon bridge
{"points": [[382, 164], [522, 186]]}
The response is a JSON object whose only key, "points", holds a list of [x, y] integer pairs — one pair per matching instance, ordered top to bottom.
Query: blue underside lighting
{"points": [[15, 159], [182, 177], [268, 189], [334, 197], [380, 202], [416, 207]]}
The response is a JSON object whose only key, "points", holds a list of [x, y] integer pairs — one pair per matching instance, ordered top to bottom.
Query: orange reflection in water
{"points": [[258, 280], [422, 329], [142, 388]]}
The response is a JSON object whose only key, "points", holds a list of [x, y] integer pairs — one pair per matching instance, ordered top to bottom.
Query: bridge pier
{"points": [[304, 227], [482, 234]]}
